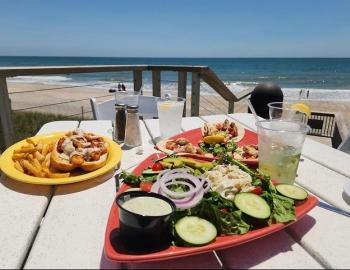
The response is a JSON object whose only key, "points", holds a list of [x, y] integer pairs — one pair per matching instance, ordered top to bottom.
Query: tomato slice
{"points": [[157, 167], [146, 186], [257, 190]]}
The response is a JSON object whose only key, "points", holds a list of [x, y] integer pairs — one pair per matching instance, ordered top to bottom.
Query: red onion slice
{"points": [[168, 178], [183, 200], [195, 201]]}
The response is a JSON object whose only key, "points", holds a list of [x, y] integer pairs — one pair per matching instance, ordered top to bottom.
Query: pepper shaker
{"points": [[120, 122], [132, 131]]}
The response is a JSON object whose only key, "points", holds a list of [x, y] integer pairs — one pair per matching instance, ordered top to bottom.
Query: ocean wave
{"points": [[40, 79], [243, 83], [234, 86], [317, 94]]}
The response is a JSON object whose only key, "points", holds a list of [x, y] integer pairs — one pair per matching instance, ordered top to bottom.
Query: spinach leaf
{"points": [[151, 178], [130, 179], [134, 180], [222, 203], [208, 211], [233, 223]]}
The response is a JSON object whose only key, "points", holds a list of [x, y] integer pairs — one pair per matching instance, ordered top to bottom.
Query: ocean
{"points": [[325, 78]]}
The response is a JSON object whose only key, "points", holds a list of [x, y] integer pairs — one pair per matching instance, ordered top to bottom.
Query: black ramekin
{"points": [[144, 233]]}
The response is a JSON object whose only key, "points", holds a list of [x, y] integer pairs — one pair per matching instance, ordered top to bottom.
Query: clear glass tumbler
{"points": [[130, 98], [284, 111], [170, 115], [280, 145]]}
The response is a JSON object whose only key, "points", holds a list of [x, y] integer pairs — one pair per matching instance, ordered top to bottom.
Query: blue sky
{"points": [[163, 28]]}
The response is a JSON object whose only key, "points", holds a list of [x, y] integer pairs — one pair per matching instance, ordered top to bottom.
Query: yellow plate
{"points": [[7, 164]]}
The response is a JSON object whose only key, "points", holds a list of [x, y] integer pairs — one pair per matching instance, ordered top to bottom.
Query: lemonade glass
{"points": [[287, 111], [170, 112], [280, 145]]}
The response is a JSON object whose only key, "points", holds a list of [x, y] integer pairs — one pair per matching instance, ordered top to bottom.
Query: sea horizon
{"points": [[185, 57], [325, 78]]}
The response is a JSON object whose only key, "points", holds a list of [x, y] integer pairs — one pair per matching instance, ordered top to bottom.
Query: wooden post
{"points": [[137, 80], [156, 83], [182, 87], [195, 93], [231, 106], [82, 113], [5, 114]]}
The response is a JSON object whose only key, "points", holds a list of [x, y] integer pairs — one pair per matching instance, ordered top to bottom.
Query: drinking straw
{"points": [[250, 105]]}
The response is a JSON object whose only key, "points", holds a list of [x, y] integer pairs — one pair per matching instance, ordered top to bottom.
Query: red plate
{"points": [[195, 135], [175, 252]]}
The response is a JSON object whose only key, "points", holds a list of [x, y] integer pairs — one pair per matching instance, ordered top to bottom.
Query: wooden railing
{"points": [[198, 73]]}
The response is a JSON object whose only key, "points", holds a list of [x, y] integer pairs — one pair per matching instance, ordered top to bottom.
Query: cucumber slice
{"points": [[150, 172], [291, 191], [252, 205], [195, 231]]}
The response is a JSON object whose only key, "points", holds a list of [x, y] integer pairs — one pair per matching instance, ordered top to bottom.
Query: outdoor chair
{"points": [[106, 110], [324, 125], [345, 145]]}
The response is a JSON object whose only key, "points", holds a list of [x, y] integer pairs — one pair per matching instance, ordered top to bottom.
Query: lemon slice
{"points": [[165, 105], [301, 107], [214, 139]]}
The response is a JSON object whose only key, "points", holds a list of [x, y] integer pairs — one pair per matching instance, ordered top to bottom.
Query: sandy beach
{"points": [[210, 104]]}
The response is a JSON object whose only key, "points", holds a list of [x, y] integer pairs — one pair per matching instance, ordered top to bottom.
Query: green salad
{"points": [[211, 214]]}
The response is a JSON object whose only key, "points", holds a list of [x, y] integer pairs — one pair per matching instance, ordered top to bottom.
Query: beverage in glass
{"points": [[284, 110], [170, 115], [280, 145]]}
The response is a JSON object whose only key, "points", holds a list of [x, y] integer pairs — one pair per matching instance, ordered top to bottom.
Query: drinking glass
{"points": [[129, 98], [284, 110], [170, 115], [280, 145]]}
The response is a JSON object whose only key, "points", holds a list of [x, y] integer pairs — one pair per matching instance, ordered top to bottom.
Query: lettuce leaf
{"points": [[283, 209], [222, 214]]}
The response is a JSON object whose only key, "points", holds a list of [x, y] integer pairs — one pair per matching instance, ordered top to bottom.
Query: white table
{"points": [[63, 226]]}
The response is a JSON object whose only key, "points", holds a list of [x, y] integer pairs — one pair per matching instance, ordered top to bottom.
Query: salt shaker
{"points": [[120, 122], [132, 131]]}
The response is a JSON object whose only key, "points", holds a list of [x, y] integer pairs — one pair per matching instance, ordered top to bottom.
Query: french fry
{"points": [[30, 141], [39, 146], [51, 147], [26, 149], [45, 149], [19, 156], [39, 156], [34, 159], [47, 160], [21, 162], [37, 164], [18, 166], [31, 169], [46, 171]]}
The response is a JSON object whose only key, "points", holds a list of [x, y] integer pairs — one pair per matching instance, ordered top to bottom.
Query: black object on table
{"points": [[264, 94], [120, 122]]}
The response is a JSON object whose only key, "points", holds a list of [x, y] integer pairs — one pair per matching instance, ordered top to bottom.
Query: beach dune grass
{"points": [[27, 124]]}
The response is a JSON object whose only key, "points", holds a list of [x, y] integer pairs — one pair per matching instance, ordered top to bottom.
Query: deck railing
{"points": [[198, 74]]}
